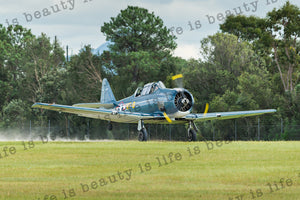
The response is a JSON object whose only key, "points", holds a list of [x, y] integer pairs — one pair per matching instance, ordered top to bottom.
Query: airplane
{"points": [[151, 104]]}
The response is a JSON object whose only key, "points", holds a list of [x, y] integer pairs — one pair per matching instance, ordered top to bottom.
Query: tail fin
{"points": [[107, 95]]}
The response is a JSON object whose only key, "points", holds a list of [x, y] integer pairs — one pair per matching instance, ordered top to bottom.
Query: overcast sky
{"points": [[77, 22]]}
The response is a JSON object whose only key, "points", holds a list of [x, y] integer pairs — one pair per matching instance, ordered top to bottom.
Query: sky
{"points": [[77, 22]]}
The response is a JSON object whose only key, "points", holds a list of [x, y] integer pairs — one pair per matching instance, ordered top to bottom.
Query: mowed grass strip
{"points": [[152, 170]]}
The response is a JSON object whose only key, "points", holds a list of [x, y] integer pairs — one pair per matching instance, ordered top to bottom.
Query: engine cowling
{"points": [[183, 100]]}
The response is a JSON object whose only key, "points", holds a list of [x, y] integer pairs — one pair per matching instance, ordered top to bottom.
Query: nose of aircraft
{"points": [[184, 100]]}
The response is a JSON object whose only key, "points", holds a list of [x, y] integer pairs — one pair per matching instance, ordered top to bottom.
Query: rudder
{"points": [[107, 95]]}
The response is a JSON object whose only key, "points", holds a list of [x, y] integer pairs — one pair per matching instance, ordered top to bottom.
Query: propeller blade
{"points": [[177, 76], [178, 80], [206, 109], [167, 117]]}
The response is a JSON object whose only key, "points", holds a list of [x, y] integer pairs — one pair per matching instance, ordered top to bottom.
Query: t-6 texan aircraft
{"points": [[152, 104]]}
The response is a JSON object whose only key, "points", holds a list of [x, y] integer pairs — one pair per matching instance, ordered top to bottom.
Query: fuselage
{"points": [[176, 102]]}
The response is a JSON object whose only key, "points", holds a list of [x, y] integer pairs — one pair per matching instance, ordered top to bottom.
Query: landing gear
{"points": [[192, 132], [143, 134], [192, 135]]}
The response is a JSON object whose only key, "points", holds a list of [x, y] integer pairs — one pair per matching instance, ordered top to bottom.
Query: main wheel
{"points": [[143, 135], [192, 135]]}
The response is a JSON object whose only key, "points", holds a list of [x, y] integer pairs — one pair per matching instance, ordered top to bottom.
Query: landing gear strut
{"points": [[192, 131], [143, 135]]}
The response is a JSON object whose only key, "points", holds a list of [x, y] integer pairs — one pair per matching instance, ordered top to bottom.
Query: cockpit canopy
{"points": [[149, 88]]}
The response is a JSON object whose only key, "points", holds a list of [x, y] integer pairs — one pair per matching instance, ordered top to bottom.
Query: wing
{"points": [[95, 105], [97, 113], [227, 115]]}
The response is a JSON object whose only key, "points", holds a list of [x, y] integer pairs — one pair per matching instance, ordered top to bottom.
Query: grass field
{"points": [[152, 170]]}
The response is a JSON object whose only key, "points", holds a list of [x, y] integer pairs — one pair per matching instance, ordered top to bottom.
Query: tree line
{"points": [[251, 63]]}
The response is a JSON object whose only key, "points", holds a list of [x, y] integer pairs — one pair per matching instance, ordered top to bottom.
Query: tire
{"points": [[143, 135], [192, 135], [140, 136]]}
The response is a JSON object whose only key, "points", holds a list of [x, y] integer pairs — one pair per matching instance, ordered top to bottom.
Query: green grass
{"points": [[223, 172]]}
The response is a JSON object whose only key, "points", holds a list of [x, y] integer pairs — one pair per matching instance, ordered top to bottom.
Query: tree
{"points": [[285, 23], [135, 29], [276, 35], [13, 41], [140, 47], [226, 58], [43, 70], [85, 74], [230, 77], [16, 113]]}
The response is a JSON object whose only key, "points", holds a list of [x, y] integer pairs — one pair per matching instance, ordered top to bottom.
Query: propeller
{"points": [[179, 83], [182, 100]]}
